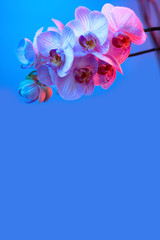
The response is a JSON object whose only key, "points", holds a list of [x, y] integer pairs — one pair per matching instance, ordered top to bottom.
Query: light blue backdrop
{"points": [[87, 169]]}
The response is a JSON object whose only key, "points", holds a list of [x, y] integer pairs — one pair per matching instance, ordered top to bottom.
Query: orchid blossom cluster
{"points": [[86, 52]]}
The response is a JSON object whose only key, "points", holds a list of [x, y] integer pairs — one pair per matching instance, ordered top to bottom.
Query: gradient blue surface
{"points": [[87, 169]]}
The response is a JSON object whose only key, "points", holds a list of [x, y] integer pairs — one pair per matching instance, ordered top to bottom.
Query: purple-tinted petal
{"points": [[107, 11], [82, 14], [59, 24], [76, 26], [99, 26], [68, 37], [35, 38], [47, 41], [103, 48], [25, 52], [110, 60], [88, 61], [66, 66], [44, 76], [68, 88], [89, 88]]}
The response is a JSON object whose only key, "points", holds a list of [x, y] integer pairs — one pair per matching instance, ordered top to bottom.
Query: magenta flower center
{"points": [[121, 41], [88, 42], [55, 57], [107, 70], [83, 75]]}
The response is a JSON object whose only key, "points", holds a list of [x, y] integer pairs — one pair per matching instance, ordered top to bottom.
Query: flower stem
{"points": [[152, 29], [146, 51]]}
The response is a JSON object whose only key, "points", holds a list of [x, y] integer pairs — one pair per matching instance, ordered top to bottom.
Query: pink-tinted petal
{"points": [[107, 11], [82, 14], [129, 23], [59, 24], [76, 26], [99, 26], [54, 29], [68, 37], [35, 38], [47, 41], [103, 48], [25, 52], [120, 54], [110, 60], [66, 66], [44, 76], [101, 80], [68, 88], [49, 93], [42, 95]]}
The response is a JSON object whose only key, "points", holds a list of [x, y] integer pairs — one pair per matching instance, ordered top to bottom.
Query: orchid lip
{"points": [[120, 40], [87, 41], [56, 57], [83, 75]]}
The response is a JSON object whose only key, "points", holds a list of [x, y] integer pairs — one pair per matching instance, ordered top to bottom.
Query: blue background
{"points": [[86, 169]]}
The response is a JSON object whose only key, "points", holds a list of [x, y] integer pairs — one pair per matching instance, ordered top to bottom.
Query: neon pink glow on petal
{"points": [[82, 14], [129, 23], [59, 24], [54, 29], [47, 41], [110, 60]]}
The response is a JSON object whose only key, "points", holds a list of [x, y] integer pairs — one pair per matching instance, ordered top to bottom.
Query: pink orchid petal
{"points": [[107, 11], [82, 14], [127, 22], [59, 24], [76, 26], [99, 26], [54, 29], [68, 37], [47, 41], [118, 53], [69, 57], [110, 60], [44, 75], [42, 95]]}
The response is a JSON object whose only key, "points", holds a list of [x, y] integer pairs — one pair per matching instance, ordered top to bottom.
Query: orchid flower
{"points": [[124, 28], [91, 31], [57, 50], [27, 51], [105, 75], [80, 79], [31, 89]]}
